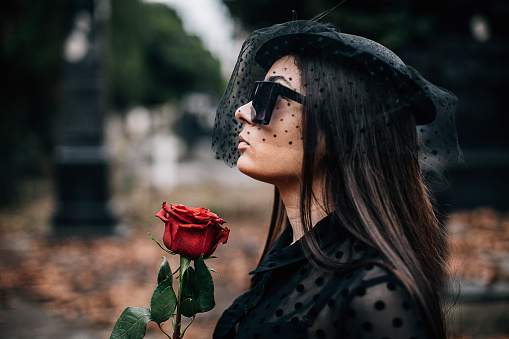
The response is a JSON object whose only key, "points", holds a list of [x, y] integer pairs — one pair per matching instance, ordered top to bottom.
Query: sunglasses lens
{"points": [[264, 98]]}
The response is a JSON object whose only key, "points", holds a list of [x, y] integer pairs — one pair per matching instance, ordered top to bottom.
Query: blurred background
{"points": [[106, 111]]}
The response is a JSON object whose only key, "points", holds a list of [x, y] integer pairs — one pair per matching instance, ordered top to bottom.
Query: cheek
{"points": [[284, 129], [288, 137], [276, 151]]}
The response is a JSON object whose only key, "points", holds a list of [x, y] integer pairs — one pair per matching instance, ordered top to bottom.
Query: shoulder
{"points": [[374, 287], [370, 300]]}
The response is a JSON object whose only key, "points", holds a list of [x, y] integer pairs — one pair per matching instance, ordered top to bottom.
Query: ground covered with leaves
{"points": [[76, 287]]}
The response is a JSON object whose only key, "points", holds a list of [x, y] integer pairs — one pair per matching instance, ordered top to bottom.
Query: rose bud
{"points": [[190, 231]]}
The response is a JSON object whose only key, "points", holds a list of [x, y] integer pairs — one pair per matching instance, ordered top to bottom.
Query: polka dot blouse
{"points": [[295, 298]]}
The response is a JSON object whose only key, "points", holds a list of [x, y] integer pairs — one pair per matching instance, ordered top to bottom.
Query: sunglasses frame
{"points": [[264, 97]]}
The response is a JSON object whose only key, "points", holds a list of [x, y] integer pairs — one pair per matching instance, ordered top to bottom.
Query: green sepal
{"points": [[161, 246], [213, 270], [164, 272], [206, 285], [163, 302], [189, 307], [132, 323]]}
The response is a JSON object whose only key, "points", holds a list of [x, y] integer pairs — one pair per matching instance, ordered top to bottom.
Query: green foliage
{"points": [[393, 23], [153, 59], [184, 264], [164, 272], [190, 284], [206, 287], [198, 288], [196, 296], [163, 302], [190, 307], [132, 324]]}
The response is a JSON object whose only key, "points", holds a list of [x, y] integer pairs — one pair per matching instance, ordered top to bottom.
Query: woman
{"points": [[344, 130]]}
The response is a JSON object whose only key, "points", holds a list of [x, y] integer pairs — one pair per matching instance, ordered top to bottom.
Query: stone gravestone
{"points": [[80, 160]]}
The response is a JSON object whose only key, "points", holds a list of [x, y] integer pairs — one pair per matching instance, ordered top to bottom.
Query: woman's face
{"points": [[273, 153]]}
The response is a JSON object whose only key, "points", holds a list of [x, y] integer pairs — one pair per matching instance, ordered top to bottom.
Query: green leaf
{"points": [[184, 264], [164, 272], [190, 284], [206, 285], [163, 302], [190, 307], [132, 323]]}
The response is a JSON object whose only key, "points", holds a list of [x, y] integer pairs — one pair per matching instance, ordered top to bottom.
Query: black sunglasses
{"points": [[264, 97]]}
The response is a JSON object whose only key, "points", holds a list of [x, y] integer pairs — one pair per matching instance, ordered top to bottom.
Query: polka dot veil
{"points": [[433, 107]]}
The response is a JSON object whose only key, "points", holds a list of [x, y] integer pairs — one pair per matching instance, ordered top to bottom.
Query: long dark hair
{"points": [[373, 185]]}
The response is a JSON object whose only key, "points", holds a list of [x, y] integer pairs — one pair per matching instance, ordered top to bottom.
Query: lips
{"points": [[242, 139], [243, 144]]}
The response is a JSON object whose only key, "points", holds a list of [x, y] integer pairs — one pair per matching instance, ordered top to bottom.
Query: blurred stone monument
{"points": [[80, 159]]}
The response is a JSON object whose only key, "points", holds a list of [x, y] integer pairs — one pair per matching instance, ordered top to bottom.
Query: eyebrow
{"points": [[273, 78]]}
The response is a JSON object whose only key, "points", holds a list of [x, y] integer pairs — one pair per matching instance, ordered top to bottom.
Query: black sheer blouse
{"points": [[296, 298]]}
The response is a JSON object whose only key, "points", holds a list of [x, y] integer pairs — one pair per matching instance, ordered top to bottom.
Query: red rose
{"points": [[190, 231]]}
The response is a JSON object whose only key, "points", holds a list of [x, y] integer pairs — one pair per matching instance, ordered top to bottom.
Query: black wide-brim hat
{"points": [[384, 66], [432, 106]]}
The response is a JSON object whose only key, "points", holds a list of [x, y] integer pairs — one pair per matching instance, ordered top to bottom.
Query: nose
{"points": [[243, 114]]}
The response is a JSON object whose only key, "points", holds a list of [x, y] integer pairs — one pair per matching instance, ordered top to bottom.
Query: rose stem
{"points": [[178, 316]]}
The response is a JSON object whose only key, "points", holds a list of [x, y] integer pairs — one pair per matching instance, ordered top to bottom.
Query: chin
{"points": [[247, 167], [252, 170], [268, 172]]}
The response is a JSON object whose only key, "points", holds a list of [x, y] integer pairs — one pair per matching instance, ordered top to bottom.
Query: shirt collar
{"points": [[284, 253]]}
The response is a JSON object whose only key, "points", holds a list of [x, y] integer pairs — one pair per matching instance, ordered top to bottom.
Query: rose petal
{"points": [[179, 212], [162, 215], [192, 231], [214, 234], [167, 236], [189, 241]]}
